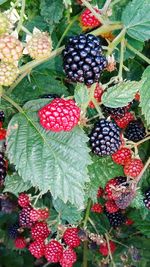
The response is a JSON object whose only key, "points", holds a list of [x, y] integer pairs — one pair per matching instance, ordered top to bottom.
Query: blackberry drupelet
{"points": [[83, 59], [116, 113], [2, 116], [135, 131], [105, 138], [2, 169], [147, 199], [115, 219], [13, 231]]}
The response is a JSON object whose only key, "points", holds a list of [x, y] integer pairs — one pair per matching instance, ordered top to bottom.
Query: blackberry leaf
{"points": [[144, 93], [14, 184]]}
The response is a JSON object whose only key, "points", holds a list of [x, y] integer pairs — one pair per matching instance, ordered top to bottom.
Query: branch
{"points": [[106, 6], [21, 16], [146, 59], [143, 170], [109, 249]]}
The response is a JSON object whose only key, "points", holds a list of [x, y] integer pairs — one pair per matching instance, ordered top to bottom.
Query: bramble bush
{"points": [[74, 133]]}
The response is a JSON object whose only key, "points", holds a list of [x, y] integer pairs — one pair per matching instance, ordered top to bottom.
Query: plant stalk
{"points": [[21, 16], [146, 59]]}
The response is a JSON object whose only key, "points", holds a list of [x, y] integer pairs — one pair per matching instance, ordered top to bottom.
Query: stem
{"points": [[115, 2], [106, 6], [97, 15], [21, 16], [107, 28], [24, 29], [116, 41], [121, 59], [146, 59], [17, 81], [8, 99], [97, 107], [143, 170], [87, 213], [93, 224], [85, 248], [109, 249], [46, 264]]}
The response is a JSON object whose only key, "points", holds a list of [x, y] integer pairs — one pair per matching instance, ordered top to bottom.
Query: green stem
{"points": [[115, 2], [106, 6], [97, 15], [21, 16], [107, 28], [24, 29], [116, 41], [121, 59], [146, 59], [8, 99], [143, 170], [87, 213], [93, 225], [85, 249], [109, 249]]}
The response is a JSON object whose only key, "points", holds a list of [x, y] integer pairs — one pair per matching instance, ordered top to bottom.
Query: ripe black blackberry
{"points": [[83, 60], [50, 96], [116, 113], [2, 116], [135, 131], [105, 138], [2, 169], [121, 180], [147, 199], [24, 218], [115, 219], [13, 231]]}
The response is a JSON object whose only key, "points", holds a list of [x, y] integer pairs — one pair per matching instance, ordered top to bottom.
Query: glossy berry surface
{"points": [[87, 19], [83, 60], [115, 113], [59, 115], [2, 116], [124, 121], [135, 131], [105, 138], [122, 156], [133, 168], [147, 199], [23, 200], [111, 206], [98, 208], [39, 214], [24, 218], [116, 219], [40, 230], [71, 237], [20, 242], [37, 249], [103, 249], [53, 251], [69, 257]]}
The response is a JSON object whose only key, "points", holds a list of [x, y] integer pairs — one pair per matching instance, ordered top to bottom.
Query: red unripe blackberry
{"points": [[88, 20], [83, 59], [97, 95], [59, 115], [124, 121], [135, 131], [2, 134], [105, 138], [122, 156], [133, 168], [111, 184], [100, 192], [23, 200], [111, 206], [97, 208], [39, 215], [24, 218], [40, 230], [71, 237], [20, 242], [37, 249], [103, 249], [53, 251], [69, 257]]}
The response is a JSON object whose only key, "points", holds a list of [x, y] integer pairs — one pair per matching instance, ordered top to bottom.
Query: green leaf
{"points": [[3, 1], [136, 18], [81, 94], [121, 94], [145, 95], [51, 161], [101, 171], [14, 184], [137, 202], [68, 212]]}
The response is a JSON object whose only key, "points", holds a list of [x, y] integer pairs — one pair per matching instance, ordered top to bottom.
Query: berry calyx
{"points": [[88, 20], [9, 73], [97, 95], [59, 115], [124, 121], [122, 156], [133, 168], [23, 200], [111, 206], [98, 208], [39, 215], [40, 230], [71, 237], [20, 242], [37, 249], [103, 249], [53, 251], [69, 257]]}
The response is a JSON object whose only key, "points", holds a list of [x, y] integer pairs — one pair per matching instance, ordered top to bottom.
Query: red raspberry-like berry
{"points": [[88, 20], [97, 95], [137, 96], [59, 115], [123, 122], [1, 124], [2, 134], [122, 156], [133, 168], [109, 186], [100, 192], [23, 200], [111, 206], [98, 208], [39, 215], [24, 218], [129, 221], [40, 230], [71, 237], [20, 242], [104, 248], [37, 249], [53, 251], [69, 257]]}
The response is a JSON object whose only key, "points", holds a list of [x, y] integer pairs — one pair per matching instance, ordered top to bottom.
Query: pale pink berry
{"points": [[4, 23], [8, 73]]}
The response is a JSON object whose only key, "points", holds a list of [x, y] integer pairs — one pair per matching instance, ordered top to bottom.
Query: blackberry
{"points": [[83, 60], [50, 96], [116, 113], [2, 116], [135, 131], [105, 138], [2, 169], [121, 180], [147, 199], [124, 200], [7, 206], [24, 218], [115, 219], [13, 231]]}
